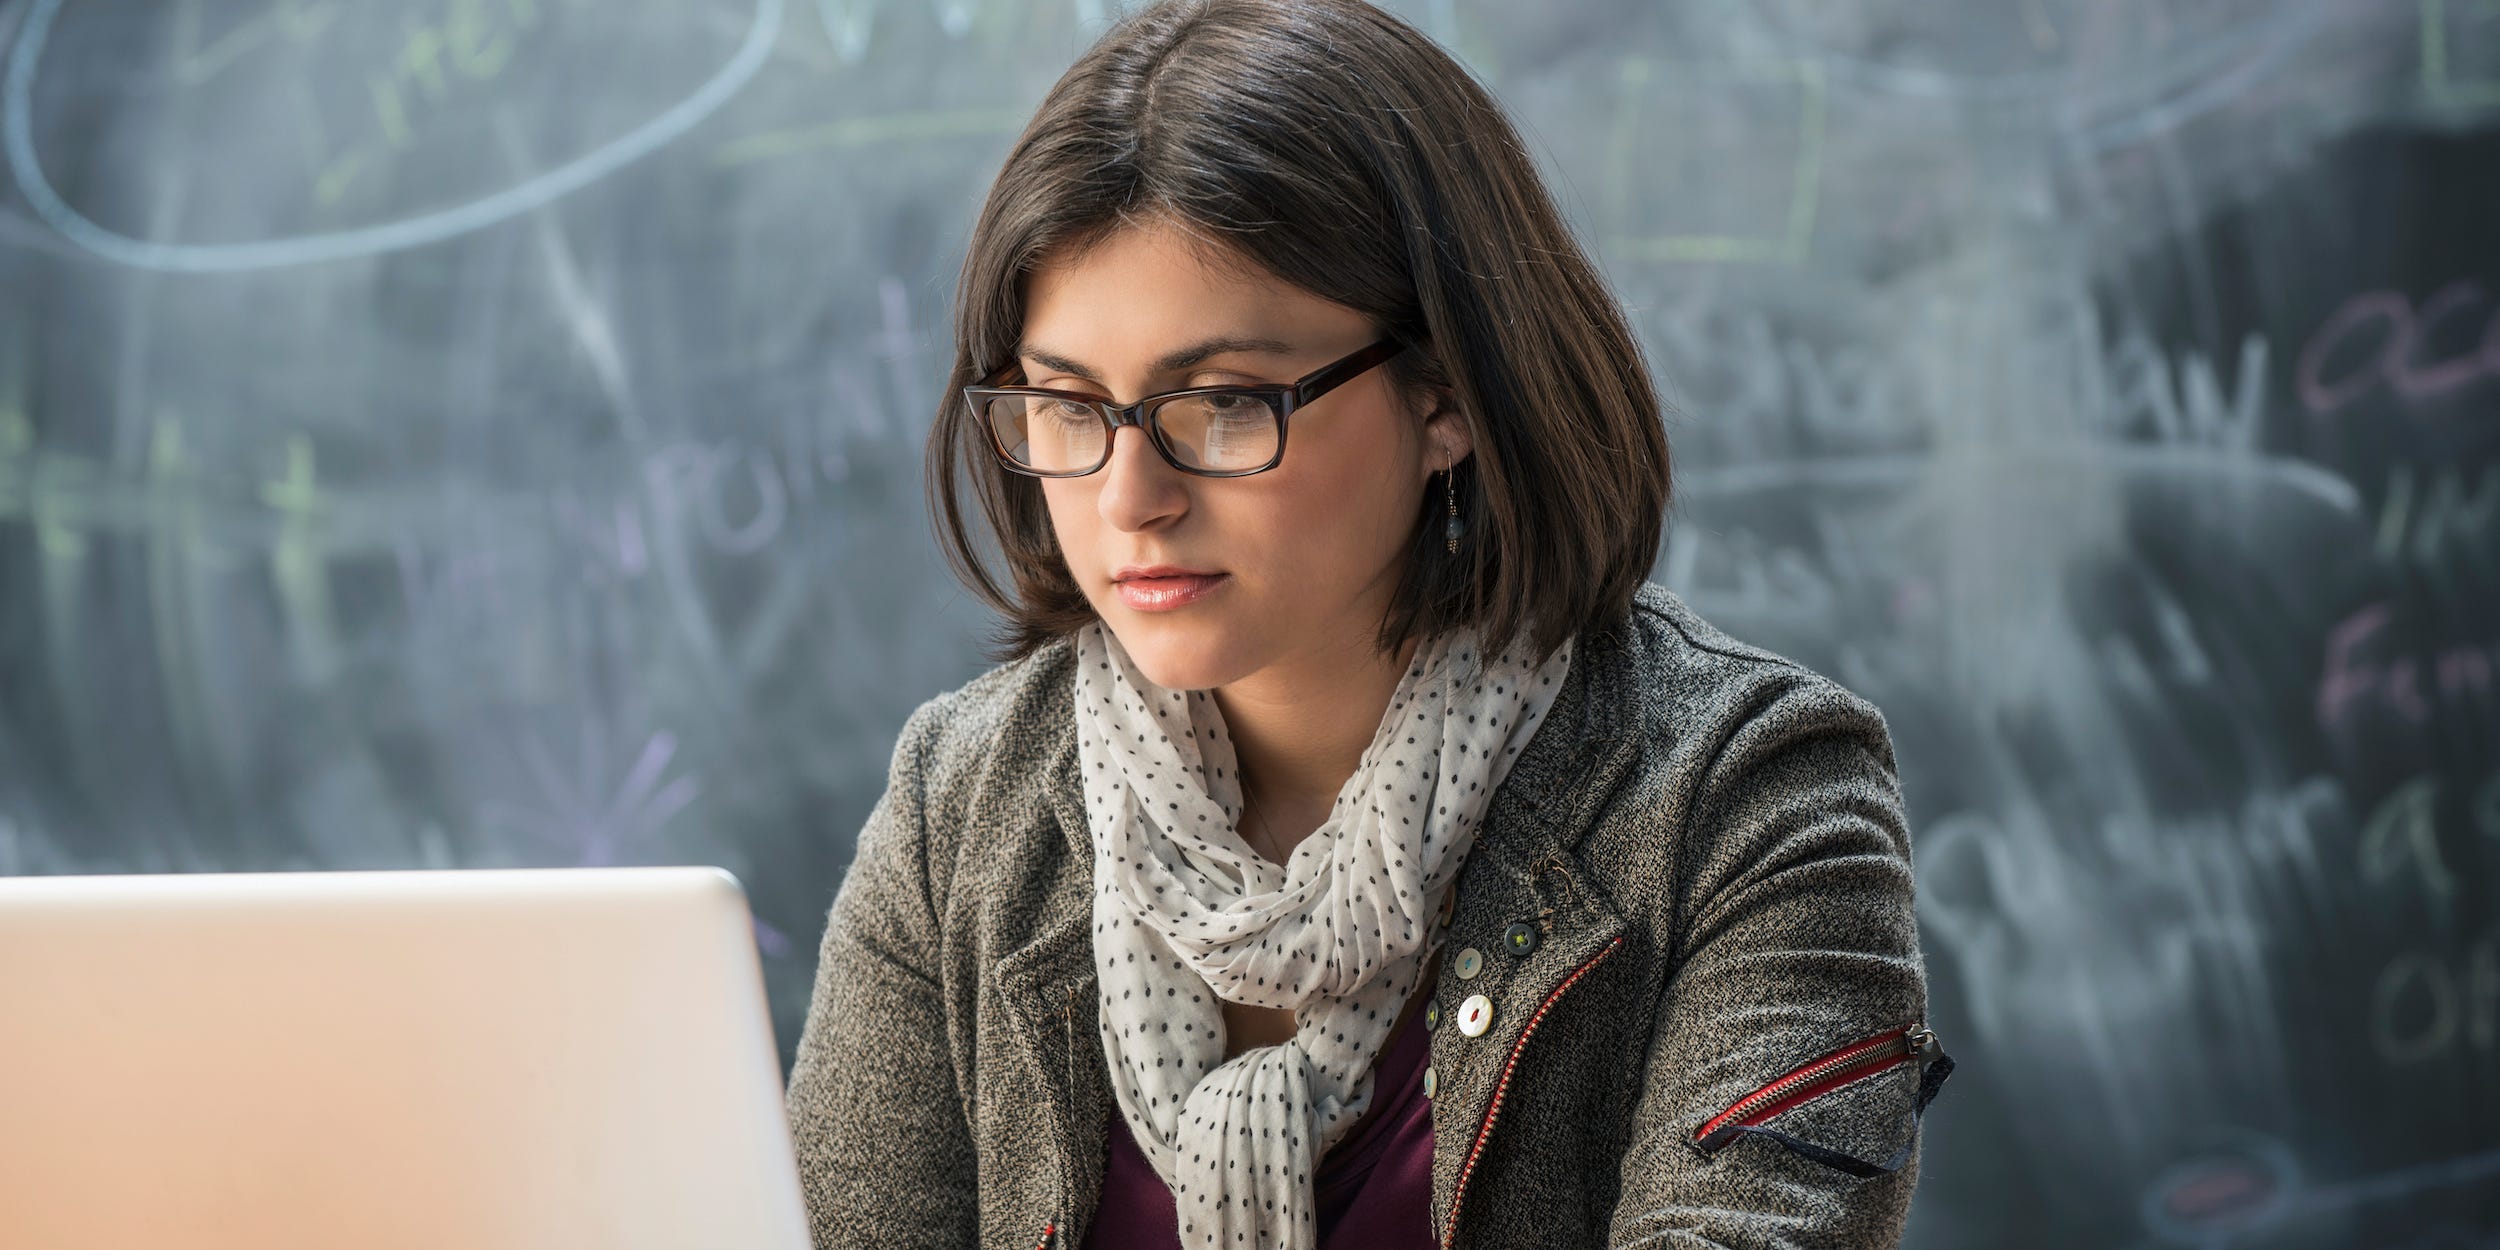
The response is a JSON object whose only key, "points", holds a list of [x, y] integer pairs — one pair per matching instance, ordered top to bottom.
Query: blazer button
{"points": [[1520, 938], [1470, 962], [1432, 1015], [1475, 1015], [1432, 1081]]}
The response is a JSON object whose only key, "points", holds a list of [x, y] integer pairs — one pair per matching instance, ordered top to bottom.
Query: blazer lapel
{"points": [[1525, 869], [1520, 873], [1050, 985]]}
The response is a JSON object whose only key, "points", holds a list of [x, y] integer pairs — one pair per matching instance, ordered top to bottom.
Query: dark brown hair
{"points": [[1346, 153]]}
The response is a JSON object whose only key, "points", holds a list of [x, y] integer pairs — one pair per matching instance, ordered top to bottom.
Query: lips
{"points": [[1156, 594]]}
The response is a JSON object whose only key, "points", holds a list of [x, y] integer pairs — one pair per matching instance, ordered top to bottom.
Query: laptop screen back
{"points": [[513, 1059]]}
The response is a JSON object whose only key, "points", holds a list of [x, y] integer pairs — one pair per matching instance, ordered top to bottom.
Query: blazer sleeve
{"points": [[1798, 991], [885, 1155]]}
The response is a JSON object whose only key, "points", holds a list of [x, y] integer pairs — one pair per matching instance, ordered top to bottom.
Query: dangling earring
{"points": [[1455, 527]]}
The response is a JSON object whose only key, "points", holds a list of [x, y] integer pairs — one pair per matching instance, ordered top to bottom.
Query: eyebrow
{"points": [[1171, 362]]}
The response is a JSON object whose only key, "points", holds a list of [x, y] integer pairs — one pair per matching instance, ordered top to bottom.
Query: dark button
{"points": [[1520, 938], [1432, 1015]]}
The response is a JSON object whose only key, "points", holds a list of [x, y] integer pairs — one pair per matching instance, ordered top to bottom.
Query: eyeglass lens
{"points": [[1218, 432]]}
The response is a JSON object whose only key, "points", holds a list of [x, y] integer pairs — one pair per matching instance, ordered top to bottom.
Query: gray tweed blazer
{"points": [[1711, 1034]]}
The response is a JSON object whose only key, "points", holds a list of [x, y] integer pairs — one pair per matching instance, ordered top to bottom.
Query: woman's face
{"points": [[1311, 551]]}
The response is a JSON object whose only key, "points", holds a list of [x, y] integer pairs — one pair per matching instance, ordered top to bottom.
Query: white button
{"points": [[1470, 962], [1475, 1015], [1432, 1081]]}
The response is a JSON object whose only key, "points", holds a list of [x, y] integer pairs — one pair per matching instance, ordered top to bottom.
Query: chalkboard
{"points": [[489, 432]]}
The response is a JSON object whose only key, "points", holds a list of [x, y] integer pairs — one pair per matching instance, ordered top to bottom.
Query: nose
{"points": [[1138, 486]]}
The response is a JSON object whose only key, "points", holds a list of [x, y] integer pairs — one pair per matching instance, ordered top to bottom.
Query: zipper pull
{"points": [[1923, 1043]]}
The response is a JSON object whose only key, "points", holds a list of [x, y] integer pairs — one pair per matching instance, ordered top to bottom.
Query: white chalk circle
{"points": [[17, 131]]}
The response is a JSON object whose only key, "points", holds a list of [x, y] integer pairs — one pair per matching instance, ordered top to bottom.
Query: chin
{"points": [[1177, 655]]}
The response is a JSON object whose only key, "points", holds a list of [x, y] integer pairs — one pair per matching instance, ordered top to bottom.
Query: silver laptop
{"points": [[506, 1059]]}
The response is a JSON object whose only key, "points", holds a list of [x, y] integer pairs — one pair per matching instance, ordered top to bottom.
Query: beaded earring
{"points": [[1455, 527]]}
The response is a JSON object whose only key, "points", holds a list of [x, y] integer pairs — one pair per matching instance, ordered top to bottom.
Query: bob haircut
{"points": [[1342, 150]]}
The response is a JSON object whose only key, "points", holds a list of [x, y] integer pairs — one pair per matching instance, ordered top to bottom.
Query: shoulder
{"points": [[1700, 692], [1017, 708], [1731, 746], [987, 754]]}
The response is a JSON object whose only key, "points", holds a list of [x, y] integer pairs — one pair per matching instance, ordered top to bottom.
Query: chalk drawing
{"points": [[2440, 23], [17, 134], [1635, 145], [585, 811]]}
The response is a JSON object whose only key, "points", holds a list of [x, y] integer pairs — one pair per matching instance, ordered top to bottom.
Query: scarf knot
{"points": [[1186, 913]]}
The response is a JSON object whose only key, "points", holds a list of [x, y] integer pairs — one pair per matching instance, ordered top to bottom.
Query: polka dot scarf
{"points": [[1185, 911]]}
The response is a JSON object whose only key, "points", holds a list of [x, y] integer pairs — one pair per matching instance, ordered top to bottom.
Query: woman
{"points": [[1350, 847]]}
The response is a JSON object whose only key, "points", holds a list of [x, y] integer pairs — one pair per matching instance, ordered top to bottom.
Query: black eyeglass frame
{"points": [[1282, 401]]}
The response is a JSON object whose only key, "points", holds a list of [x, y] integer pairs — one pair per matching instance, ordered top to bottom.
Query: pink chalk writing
{"points": [[2381, 336], [2360, 671]]}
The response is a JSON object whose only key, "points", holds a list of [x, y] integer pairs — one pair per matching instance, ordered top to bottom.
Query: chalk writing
{"points": [[469, 44], [196, 63], [17, 136], [2381, 337], [1776, 390], [2186, 403], [689, 479], [2448, 528], [302, 565], [430, 582], [2364, 669], [583, 811], [2402, 838], [2009, 898], [2429, 1005]]}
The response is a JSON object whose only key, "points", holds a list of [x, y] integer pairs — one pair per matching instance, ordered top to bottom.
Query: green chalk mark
{"points": [[2436, 81], [1806, 183], [1795, 242], [17, 461], [172, 546], [61, 559], [301, 566]]}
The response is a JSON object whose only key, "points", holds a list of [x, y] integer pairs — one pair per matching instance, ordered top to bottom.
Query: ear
{"points": [[1446, 437]]}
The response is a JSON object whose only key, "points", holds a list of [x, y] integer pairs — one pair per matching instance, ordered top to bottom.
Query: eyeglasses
{"points": [[1211, 431]]}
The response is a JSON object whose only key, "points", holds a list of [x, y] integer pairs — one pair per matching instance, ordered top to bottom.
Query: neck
{"points": [[1300, 729]]}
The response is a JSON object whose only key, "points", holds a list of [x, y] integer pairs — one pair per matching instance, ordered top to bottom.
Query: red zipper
{"points": [[1846, 1066], [1449, 1232]]}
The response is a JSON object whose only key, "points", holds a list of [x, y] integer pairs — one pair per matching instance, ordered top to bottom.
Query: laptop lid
{"points": [[489, 1059]]}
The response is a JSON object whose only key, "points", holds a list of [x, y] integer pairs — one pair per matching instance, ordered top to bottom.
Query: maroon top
{"points": [[1374, 1189]]}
